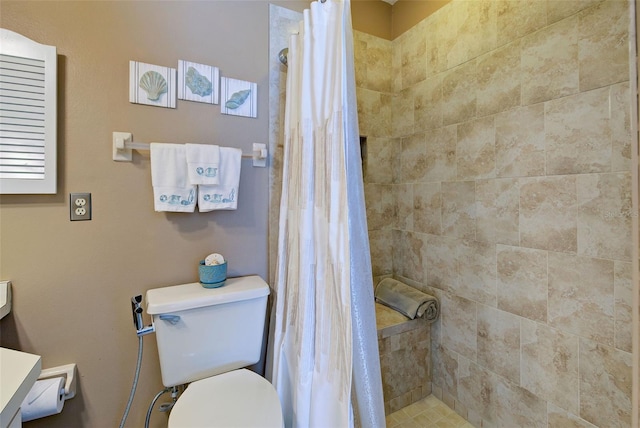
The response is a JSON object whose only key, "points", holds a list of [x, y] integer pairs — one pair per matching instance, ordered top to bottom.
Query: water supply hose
{"points": [[135, 383], [153, 403]]}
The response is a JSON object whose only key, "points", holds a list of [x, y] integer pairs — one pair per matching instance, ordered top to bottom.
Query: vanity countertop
{"points": [[18, 373]]}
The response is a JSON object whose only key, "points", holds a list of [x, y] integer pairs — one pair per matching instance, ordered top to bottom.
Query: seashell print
{"points": [[197, 83], [154, 84], [237, 99]]}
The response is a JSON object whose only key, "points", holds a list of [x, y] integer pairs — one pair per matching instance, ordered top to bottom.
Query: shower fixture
{"points": [[282, 56]]}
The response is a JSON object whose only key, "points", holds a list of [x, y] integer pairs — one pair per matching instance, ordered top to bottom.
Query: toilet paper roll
{"points": [[46, 398]]}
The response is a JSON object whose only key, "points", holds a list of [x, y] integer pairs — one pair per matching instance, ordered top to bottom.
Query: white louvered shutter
{"points": [[27, 115]]}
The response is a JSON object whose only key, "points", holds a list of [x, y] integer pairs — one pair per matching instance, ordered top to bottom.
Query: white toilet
{"points": [[205, 337]]}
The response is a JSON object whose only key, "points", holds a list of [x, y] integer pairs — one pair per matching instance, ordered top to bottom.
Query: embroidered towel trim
{"points": [[203, 163], [172, 191], [223, 196]]}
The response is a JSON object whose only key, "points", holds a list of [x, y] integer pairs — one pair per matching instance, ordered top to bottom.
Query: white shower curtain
{"points": [[323, 358]]}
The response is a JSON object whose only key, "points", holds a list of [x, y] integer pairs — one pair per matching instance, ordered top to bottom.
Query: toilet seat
{"points": [[240, 398]]}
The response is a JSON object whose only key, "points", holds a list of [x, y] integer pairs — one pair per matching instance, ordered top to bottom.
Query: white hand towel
{"points": [[203, 163], [171, 188], [223, 196]]}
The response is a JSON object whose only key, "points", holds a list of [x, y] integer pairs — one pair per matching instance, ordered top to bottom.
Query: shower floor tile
{"points": [[427, 413]]}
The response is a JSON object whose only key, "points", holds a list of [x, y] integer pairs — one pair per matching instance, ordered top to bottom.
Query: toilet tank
{"points": [[202, 332]]}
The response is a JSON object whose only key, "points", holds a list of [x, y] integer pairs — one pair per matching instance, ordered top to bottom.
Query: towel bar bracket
{"points": [[123, 146], [120, 152], [259, 155]]}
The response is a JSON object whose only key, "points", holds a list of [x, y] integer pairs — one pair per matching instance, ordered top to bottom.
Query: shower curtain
{"points": [[323, 358]]}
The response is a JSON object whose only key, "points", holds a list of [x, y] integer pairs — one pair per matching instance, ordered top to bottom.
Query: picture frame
{"points": [[198, 82], [152, 85], [238, 97]]}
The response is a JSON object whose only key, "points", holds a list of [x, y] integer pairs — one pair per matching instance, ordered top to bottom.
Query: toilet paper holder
{"points": [[68, 371]]}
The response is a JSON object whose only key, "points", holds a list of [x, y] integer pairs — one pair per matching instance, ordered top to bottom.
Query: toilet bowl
{"points": [[239, 398]]}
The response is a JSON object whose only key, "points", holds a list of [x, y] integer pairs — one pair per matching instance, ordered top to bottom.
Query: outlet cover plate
{"points": [[80, 206]]}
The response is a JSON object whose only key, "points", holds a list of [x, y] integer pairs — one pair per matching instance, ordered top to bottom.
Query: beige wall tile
{"points": [[560, 9], [529, 15], [475, 26], [441, 32], [603, 44], [458, 51], [360, 59], [414, 59], [550, 62], [379, 63], [396, 64], [498, 80], [459, 93], [427, 105], [374, 113], [402, 113], [620, 127], [578, 133], [520, 142], [476, 149], [381, 154], [441, 154], [413, 158], [397, 160], [403, 195], [380, 205], [388, 207], [426, 208], [458, 209], [497, 211], [486, 212], [548, 213], [604, 215], [379, 243], [397, 255], [409, 255], [442, 262], [476, 278], [522, 282], [623, 295], [581, 296], [459, 323], [414, 338], [499, 342], [549, 365], [445, 368], [605, 385], [477, 389], [518, 407], [558, 417], [474, 419]]}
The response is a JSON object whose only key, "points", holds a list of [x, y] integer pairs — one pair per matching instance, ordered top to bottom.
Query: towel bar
{"points": [[123, 146]]}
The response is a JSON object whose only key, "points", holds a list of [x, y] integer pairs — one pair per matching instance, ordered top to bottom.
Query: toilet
{"points": [[206, 336]]}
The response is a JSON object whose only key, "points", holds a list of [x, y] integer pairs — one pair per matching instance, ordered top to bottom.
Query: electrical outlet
{"points": [[80, 206]]}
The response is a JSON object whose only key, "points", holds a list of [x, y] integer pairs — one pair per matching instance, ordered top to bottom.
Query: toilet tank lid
{"points": [[194, 295]]}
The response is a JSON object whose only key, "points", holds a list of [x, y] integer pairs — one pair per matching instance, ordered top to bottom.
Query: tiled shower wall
{"points": [[498, 178]]}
